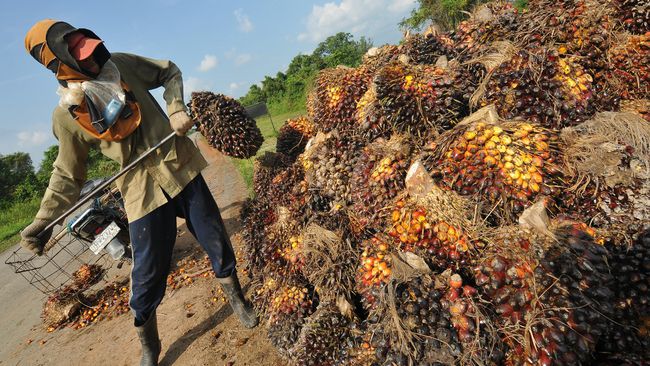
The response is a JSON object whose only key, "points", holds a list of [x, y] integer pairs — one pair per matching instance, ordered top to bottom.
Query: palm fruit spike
{"points": [[634, 15], [472, 36], [426, 48], [378, 57], [629, 74], [541, 87], [337, 93], [418, 99], [371, 123], [225, 124], [293, 136], [506, 165], [329, 167], [265, 168], [377, 178], [280, 188], [256, 216], [441, 244], [374, 269], [561, 298], [460, 300], [420, 312], [627, 331], [283, 333], [323, 339], [362, 353]]}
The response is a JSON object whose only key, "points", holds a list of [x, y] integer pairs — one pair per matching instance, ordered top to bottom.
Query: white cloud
{"points": [[359, 17], [245, 24], [238, 58], [242, 58], [209, 62], [195, 84], [234, 86], [32, 138]]}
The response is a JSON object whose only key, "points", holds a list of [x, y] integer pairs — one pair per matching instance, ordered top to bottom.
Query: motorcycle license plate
{"points": [[105, 237]]}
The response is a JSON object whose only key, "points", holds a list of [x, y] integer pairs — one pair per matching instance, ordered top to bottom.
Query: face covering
{"points": [[104, 97]]}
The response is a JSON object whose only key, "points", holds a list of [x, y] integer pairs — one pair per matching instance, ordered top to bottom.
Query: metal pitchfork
{"points": [[98, 189]]}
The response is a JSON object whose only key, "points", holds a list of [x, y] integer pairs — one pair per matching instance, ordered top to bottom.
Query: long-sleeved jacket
{"points": [[168, 169]]}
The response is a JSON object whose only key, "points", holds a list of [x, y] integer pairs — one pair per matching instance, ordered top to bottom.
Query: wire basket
{"points": [[65, 253]]}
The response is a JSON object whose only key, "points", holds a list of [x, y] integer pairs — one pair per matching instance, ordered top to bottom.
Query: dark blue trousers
{"points": [[153, 237]]}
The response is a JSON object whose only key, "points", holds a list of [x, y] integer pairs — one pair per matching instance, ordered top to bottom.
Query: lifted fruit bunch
{"points": [[225, 124]]}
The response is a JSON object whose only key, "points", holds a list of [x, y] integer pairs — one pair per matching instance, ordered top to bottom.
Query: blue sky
{"points": [[223, 46]]}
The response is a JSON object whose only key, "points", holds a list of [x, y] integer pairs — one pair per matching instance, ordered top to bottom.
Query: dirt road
{"points": [[194, 330]]}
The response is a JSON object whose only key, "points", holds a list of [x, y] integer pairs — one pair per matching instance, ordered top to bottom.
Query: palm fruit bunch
{"points": [[634, 15], [489, 22], [586, 33], [426, 48], [378, 57], [629, 72], [541, 87], [338, 91], [420, 99], [640, 107], [370, 121], [225, 124], [293, 136], [605, 161], [504, 165], [266, 167], [328, 167], [377, 178], [280, 189], [257, 217], [416, 229], [292, 252], [332, 259], [374, 269], [630, 269], [87, 275], [280, 297], [557, 301], [285, 305], [60, 307], [423, 320], [474, 334], [324, 338], [362, 353]]}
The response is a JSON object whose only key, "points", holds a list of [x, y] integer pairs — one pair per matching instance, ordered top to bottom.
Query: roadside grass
{"points": [[245, 166], [13, 219]]}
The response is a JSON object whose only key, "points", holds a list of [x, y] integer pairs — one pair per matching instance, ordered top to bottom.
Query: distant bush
{"points": [[287, 91]]}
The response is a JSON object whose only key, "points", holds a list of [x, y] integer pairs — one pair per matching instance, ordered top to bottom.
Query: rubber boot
{"points": [[239, 305], [148, 334]]}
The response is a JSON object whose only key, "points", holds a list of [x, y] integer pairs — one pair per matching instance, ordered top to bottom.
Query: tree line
{"points": [[287, 91], [20, 181]]}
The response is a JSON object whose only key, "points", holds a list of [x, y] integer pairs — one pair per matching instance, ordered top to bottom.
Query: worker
{"points": [[105, 103]]}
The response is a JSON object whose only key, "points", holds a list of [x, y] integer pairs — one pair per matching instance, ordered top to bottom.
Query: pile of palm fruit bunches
{"points": [[478, 196]]}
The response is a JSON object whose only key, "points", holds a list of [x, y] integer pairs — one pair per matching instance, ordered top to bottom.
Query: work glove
{"points": [[180, 122], [29, 239]]}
